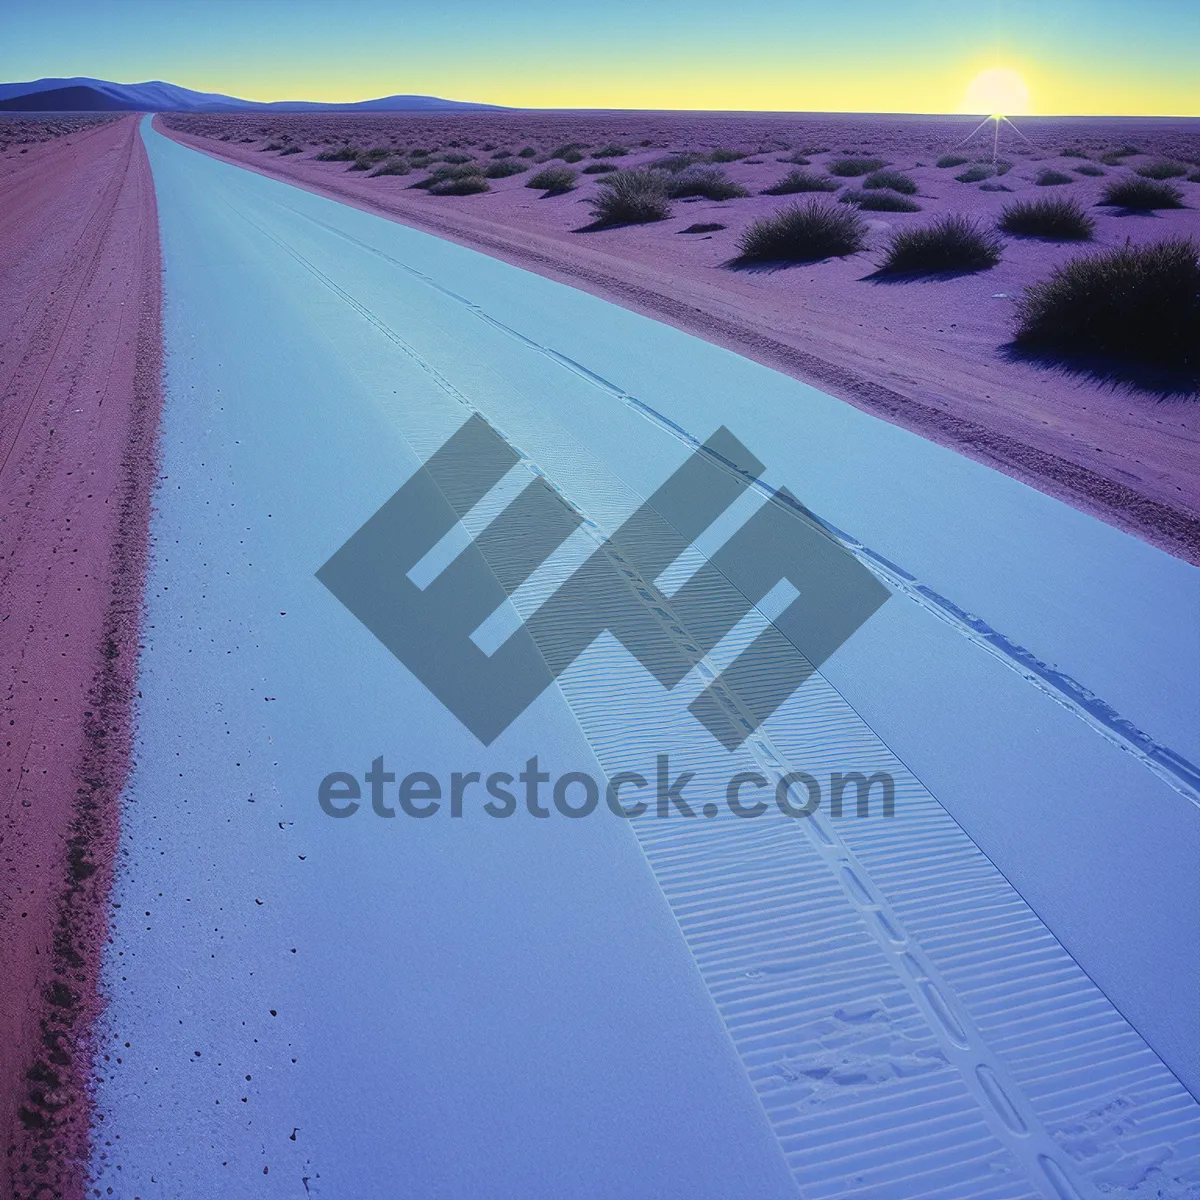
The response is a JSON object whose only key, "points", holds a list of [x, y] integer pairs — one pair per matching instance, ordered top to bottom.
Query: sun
{"points": [[996, 92]]}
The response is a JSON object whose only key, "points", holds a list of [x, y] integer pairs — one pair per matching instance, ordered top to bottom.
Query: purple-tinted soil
{"points": [[19, 133], [934, 355], [80, 366]]}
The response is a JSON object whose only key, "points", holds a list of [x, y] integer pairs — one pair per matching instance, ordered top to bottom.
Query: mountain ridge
{"points": [[82, 93]]}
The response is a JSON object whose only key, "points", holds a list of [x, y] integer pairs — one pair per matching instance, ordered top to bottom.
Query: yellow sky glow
{"points": [[981, 87]]}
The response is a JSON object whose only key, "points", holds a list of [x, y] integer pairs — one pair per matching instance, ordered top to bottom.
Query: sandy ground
{"points": [[18, 133], [932, 356], [80, 365]]}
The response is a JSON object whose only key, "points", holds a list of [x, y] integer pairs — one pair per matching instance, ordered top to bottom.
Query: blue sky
{"points": [[858, 55]]}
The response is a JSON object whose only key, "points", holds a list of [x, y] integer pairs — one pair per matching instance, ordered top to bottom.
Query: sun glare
{"points": [[996, 92]]}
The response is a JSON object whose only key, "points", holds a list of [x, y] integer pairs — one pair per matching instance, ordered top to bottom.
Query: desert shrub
{"points": [[271, 146], [568, 148], [291, 150], [611, 150], [420, 152], [527, 152], [1074, 152], [340, 154], [503, 154], [722, 155], [572, 156], [456, 159], [798, 159], [952, 160], [364, 162], [675, 162], [394, 166], [502, 168], [600, 168], [849, 168], [1162, 168], [1089, 169], [447, 172], [975, 173], [1047, 177], [1194, 177], [553, 180], [801, 181], [894, 181], [710, 182], [467, 185], [994, 187], [1143, 195], [631, 198], [880, 201], [1058, 217], [703, 227], [804, 232], [951, 243], [1138, 302]]}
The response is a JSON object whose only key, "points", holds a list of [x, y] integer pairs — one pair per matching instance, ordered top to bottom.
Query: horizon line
{"points": [[485, 104]]}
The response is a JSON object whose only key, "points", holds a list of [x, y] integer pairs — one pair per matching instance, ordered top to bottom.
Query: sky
{"points": [[1074, 56]]}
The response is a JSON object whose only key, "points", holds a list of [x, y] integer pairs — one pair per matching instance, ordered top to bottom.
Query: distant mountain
{"points": [[82, 94], [66, 99]]}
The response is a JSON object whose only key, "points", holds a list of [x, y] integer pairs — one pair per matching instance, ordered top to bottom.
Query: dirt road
{"points": [[79, 398]]}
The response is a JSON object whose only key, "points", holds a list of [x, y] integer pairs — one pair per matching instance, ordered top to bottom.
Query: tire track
{"points": [[90, 246]]}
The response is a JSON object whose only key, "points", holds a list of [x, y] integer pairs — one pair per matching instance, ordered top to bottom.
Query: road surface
{"points": [[987, 994]]}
